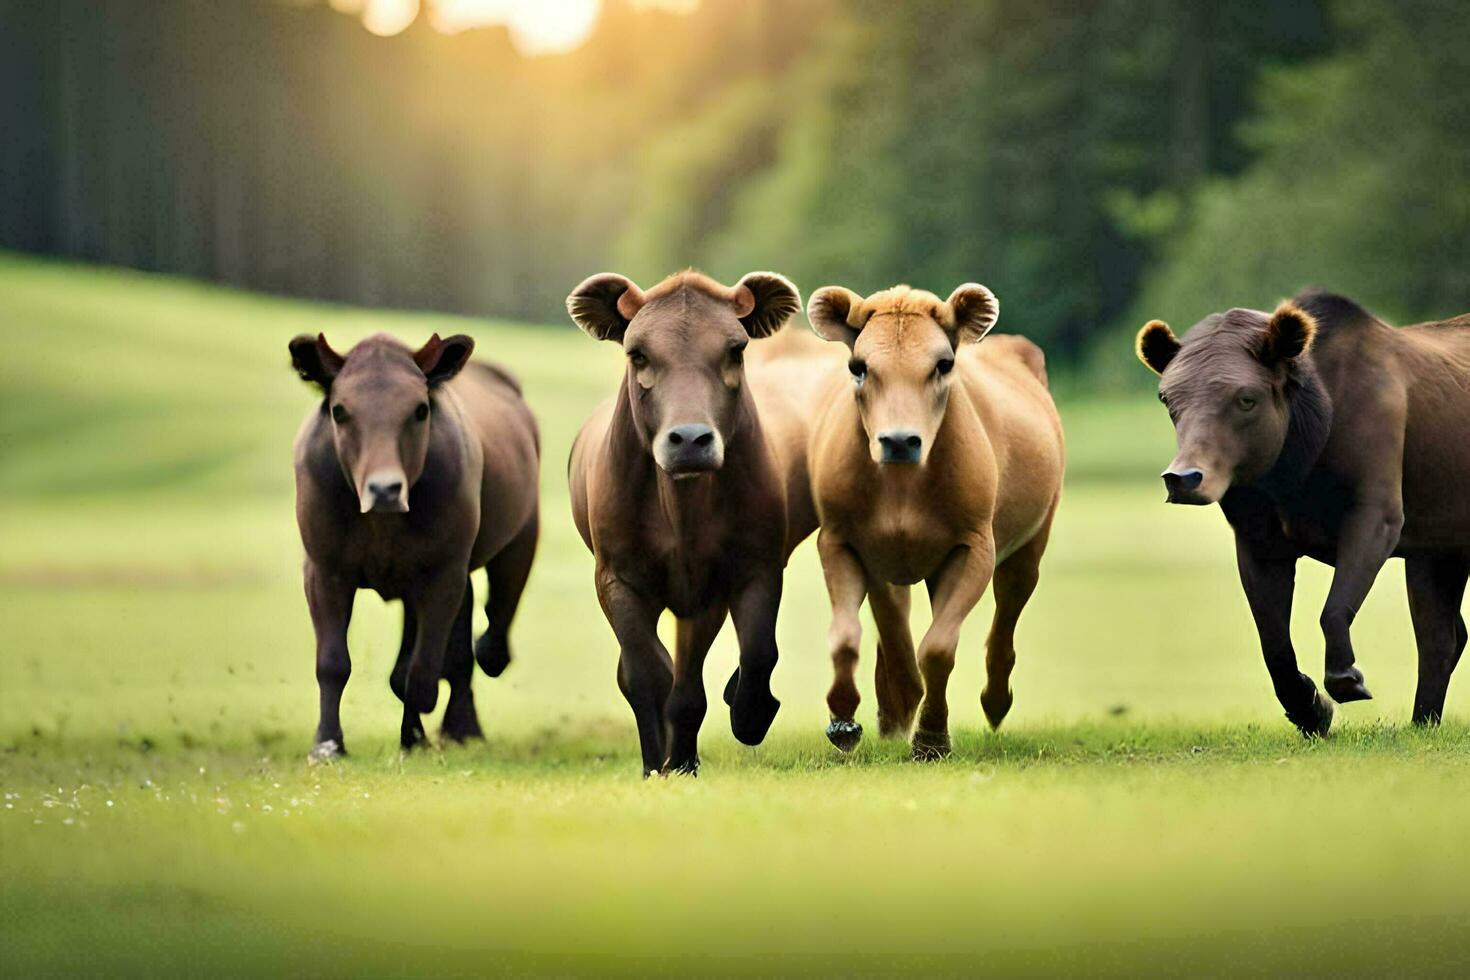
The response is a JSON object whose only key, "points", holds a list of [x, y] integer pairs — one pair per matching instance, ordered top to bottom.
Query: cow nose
{"points": [[698, 436], [900, 446], [689, 449], [1182, 481], [385, 493]]}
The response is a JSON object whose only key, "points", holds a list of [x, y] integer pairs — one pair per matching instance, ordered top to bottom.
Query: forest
{"points": [[1096, 163]]}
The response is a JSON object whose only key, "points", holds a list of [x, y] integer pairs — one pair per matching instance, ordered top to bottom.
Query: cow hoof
{"points": [[492, 657], [1346, 686], [996, 706], [1318, 722], [749, 723], [844, 734], [930, 746], [325, 751], [688, 767]]}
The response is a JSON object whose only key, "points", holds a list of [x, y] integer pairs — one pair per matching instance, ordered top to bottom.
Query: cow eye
{"points": [[638, 359], [945, 365], [858, 369], [1245, 402], [422, 412], [339, 415]]}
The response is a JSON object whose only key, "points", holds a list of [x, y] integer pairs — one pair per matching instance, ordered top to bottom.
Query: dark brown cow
{"points": [[1323, 432], [939, 460], [416, 468], [685, 499]]}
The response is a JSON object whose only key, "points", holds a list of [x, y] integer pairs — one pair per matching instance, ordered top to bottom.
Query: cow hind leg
{"points": [[507, 573], [1015, 581], [1436, 589], [461, 722]]}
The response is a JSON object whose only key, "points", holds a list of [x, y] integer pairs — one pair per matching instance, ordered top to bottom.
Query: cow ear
{"points": [[764, 302], [604, 305], [975, 310], [837, 313], [1288, 335], [1156, 345], [314, 359], [441, 360]]}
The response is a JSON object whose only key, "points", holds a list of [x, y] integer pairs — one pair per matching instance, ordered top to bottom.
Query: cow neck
{"points": [[1308, 425]]}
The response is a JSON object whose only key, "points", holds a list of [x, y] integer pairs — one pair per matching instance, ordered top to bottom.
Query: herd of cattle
{"points": [[916, 452]]}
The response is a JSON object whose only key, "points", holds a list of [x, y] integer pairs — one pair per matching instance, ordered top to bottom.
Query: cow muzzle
{"points": [[689, 450], [384, 492]]}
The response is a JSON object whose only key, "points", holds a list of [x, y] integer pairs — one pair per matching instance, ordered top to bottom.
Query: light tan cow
{"points": [[938, 460]]}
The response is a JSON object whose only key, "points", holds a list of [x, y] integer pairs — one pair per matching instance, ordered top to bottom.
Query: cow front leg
{"points": [[1368, 537], [1269, 581], [958, 585], [846, 588], [329, 599], [436, 606], [753, 611], [645, 670], [687, 703]]}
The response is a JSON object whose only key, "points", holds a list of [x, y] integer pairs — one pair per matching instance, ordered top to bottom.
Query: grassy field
{"points": [[1146, 808]]}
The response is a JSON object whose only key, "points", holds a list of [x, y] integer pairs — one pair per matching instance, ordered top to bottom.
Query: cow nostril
{"points": [[675, 439], [704, 439], [913, 442], [1189, 479], [385, 489]]}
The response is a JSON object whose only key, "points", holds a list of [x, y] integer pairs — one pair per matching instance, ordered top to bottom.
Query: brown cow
{"points": [[1323, 432], [939, 460], [416, 468], [685, 499]]}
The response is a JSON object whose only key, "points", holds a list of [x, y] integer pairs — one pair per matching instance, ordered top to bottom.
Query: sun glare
{"points": [[536, 26]]}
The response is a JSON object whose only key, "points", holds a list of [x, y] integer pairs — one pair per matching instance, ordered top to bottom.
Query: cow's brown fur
{"points": [[1324, 432], [453, 451], [689, 487], [974, 496]]}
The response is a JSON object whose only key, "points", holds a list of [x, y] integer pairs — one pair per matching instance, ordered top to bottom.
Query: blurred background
{"points": [[1096, 162], [186, 184]]}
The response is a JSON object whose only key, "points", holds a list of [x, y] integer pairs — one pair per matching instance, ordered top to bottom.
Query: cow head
{"points": [[685, 342], [903, 344], [1233, 388], [380, 400]]}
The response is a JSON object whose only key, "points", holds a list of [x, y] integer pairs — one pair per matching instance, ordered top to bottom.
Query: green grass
{"points": [[1145, 808]]}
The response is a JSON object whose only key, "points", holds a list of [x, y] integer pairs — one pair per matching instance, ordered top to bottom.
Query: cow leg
{"points": [[1369, 535], [506, 574], [1015, 581], [1269, 581], [846, 588], [956, 588], [1436, 589], [329, 600], [437, 603], [754, 611], [645, 672], [896, 676], [398, 678], [686, 705], [461, 722], [411, 730]]}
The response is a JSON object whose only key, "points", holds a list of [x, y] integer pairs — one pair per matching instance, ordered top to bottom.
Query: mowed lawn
{"points": [[1145, 808]]}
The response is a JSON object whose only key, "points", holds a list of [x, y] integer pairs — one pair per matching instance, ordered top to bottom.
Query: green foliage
{"points": [[1361, 181]]}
